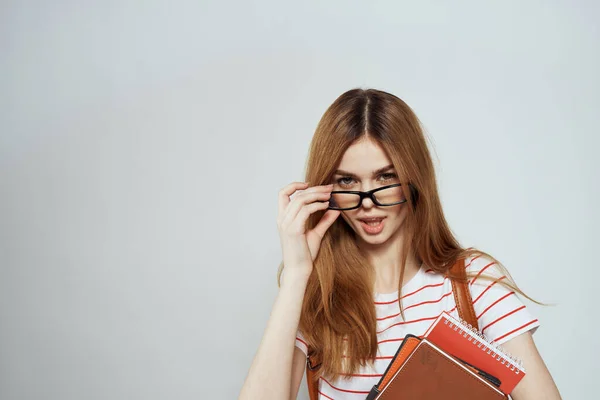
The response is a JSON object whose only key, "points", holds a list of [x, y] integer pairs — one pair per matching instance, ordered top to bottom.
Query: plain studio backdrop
{"points": [[143, 145]]}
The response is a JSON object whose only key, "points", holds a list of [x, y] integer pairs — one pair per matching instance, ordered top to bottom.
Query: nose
{"points": [[367, 202]]}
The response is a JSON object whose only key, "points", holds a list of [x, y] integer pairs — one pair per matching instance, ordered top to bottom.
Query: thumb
{"points": [[326, 221]]}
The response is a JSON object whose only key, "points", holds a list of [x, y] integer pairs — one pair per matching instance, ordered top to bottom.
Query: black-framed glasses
{"points": [[384, 196]]}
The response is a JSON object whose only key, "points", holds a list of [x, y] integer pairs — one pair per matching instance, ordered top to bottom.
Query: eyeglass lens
{"points": [[387, 196]]}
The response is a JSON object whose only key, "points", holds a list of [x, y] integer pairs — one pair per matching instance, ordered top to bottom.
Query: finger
{"points": [[312, 189], [286, 192], [301, 201], [299, 223]]}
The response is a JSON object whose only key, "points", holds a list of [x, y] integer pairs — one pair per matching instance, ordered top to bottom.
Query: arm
{"points": [[501, 313], [270, 375], [537, 382]]}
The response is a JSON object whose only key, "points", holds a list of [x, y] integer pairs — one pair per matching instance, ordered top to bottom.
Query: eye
{"points": [[388, 176], [341, 181]]}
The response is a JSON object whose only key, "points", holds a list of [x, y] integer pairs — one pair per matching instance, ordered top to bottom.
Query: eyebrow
{"points": [[380, 170]]}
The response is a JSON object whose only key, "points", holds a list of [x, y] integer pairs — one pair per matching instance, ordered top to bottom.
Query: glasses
{"points": [[390, 195]]}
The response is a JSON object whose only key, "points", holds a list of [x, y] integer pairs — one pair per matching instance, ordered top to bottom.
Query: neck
{"points": [[385, 259]]}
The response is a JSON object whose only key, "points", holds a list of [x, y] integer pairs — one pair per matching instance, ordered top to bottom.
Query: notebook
{"points": [[460, 340], [421, 370]]}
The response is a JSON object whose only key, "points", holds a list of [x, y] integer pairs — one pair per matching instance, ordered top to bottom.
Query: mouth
{"points": [[371, 219], [372, 225]]}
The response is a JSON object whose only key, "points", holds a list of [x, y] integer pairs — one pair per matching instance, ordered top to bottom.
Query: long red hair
{"points": [[338, 312]]}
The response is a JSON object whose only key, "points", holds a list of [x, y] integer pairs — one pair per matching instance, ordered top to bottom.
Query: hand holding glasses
{"points": [[299, 245]]}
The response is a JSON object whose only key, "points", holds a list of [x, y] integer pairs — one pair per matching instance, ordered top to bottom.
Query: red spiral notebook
{"points": [[458, 339]]}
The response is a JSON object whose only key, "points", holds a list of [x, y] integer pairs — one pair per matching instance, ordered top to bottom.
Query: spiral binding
{"points": [[472, 333]]}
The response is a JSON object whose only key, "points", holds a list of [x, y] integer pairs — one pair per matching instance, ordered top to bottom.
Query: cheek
{"points": [[399, 215]]}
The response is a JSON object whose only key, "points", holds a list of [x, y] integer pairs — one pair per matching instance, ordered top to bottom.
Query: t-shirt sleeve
{"points": [[501, 315], [301, 342]]}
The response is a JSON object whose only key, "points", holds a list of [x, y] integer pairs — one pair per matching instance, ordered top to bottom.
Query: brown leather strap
{"points": [[462, 294], [464, 304], [313, 385]]}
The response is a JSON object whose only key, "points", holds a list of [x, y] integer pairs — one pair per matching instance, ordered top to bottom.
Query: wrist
{"points": [[296, 275]]}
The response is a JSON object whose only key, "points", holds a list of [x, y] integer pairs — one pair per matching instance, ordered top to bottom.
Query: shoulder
{"points": [[482, 265], [486, 278], [500, 312], [301, 342]]}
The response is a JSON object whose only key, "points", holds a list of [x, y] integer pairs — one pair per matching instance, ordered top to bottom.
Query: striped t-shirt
{"points": [[500, 315]]}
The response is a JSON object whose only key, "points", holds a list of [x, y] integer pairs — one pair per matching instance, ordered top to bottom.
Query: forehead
{"points": [[364, 157]]}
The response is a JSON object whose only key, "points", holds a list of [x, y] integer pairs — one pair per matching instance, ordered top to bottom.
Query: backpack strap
{"points": [[462, 294], [464, 305], [311, 367]]}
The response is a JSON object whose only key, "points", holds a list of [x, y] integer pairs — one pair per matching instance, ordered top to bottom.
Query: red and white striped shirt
{"points": [[500, 313]]}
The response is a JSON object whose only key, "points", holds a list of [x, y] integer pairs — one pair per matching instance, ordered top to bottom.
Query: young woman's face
{"points": [[363, 167]]}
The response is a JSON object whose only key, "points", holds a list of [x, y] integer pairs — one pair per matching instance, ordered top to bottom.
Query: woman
{"points": [[352, 287]]}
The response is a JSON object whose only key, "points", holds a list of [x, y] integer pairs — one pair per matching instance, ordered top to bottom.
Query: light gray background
{"points": [[142, 146]]}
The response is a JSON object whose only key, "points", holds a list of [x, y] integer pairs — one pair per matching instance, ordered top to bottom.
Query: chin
{"points": [[380, 239]]}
